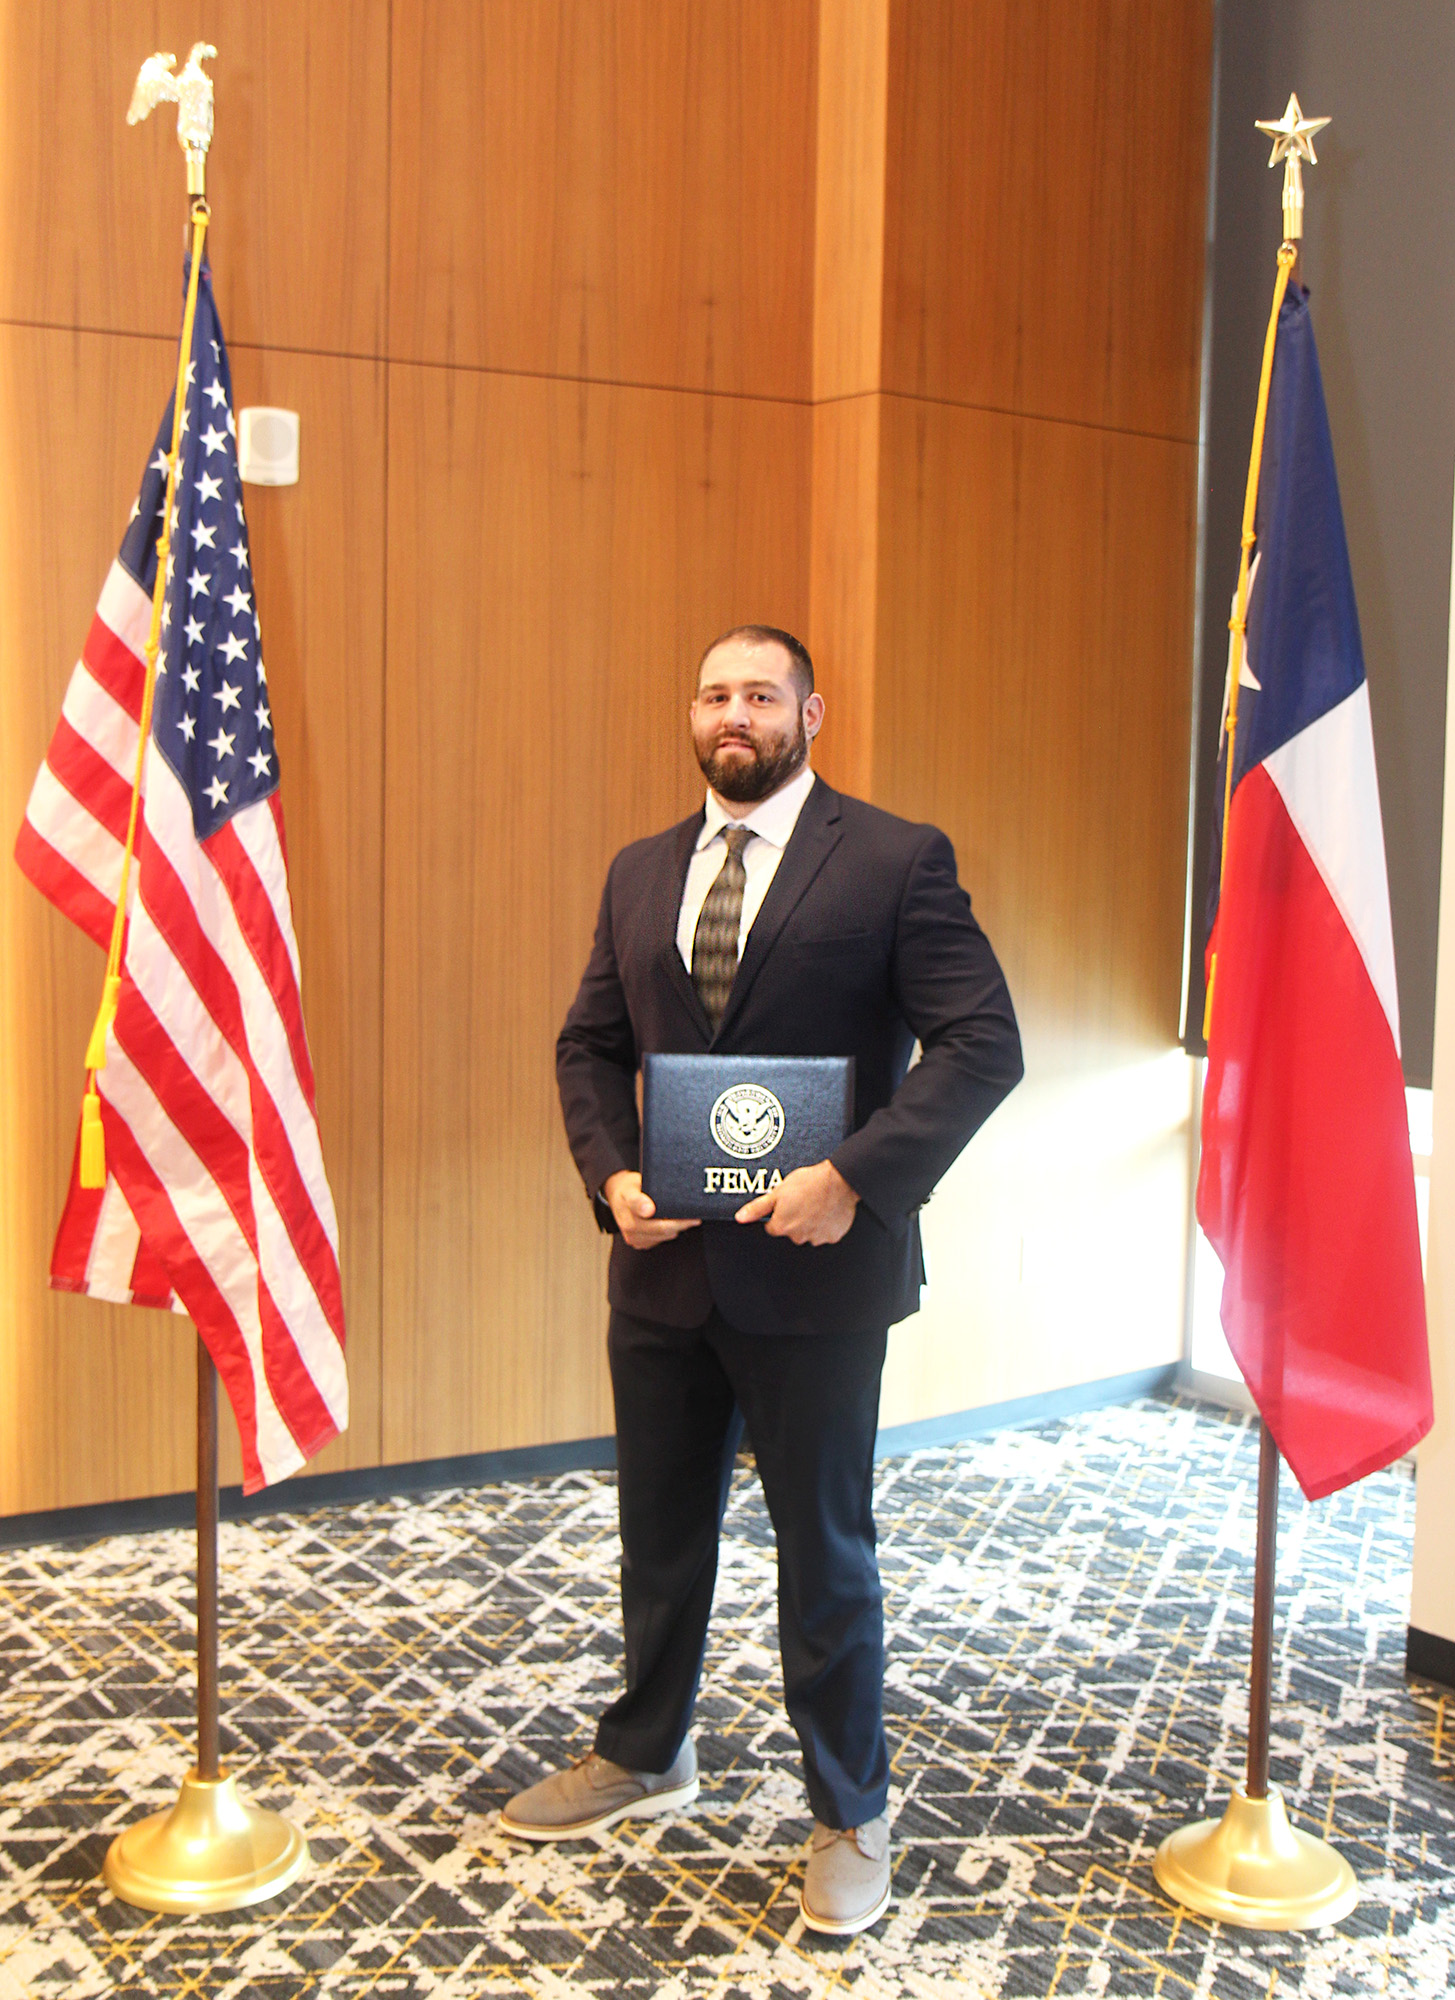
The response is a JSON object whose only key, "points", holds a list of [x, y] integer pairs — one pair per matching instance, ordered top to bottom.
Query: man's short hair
{"points": [[800, 665]]}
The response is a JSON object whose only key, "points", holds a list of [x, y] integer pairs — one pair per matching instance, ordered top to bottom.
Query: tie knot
{"points": [[736, 839]]}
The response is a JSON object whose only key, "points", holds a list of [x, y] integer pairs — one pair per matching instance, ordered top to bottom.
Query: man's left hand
{"points": [[810, 1205]]}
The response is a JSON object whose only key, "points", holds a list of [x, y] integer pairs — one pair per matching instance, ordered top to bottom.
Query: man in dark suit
{"points": [[784, 919]]}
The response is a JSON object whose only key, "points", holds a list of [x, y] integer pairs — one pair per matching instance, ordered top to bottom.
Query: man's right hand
{"points": [[636, 1213]]}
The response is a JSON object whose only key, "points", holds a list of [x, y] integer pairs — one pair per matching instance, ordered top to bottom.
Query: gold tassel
{"points": [[1212, 973], [105, 1015], [93, 1143]]}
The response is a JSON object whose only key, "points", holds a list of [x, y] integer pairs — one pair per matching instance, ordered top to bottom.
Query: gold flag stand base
{"points": [[207, 1852], [1253, 1868]]}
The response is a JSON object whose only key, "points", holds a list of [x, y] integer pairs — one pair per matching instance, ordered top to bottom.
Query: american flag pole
{"points": [[93, 1144], [198, 1182], [210, 1851]]}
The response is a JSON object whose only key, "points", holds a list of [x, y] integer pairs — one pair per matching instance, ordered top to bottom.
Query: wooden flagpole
{"points": [[1260, 1666], [208, 1752]]}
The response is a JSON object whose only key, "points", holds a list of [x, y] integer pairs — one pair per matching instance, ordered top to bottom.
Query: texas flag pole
{"points": [[1306, 1189]]}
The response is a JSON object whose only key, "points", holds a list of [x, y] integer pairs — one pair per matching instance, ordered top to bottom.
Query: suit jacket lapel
{"points": [[810, 844], [668, 901]]}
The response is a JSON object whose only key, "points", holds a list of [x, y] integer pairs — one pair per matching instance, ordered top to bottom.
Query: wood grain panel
{"points": [[853, 106], [1046, 189], [615, 192], [735, 199], [91, 211], [559, 554], [318, 555], [843, 585], [1032, 697], [95, 1401]]}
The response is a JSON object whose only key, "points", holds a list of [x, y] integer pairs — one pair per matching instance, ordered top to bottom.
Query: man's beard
{"points": [[745, 780]]}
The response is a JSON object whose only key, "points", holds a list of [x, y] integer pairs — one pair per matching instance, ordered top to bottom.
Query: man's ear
{"points": [[813, 715]]}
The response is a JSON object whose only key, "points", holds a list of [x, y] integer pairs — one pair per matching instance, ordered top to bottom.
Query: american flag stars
{"points": [[211, 657]]}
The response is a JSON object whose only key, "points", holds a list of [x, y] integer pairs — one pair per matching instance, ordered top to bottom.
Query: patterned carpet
{"points": [[1069, 1631]]}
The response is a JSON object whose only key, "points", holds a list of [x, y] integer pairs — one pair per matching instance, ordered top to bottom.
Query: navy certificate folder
{"points": [[717, 1130]]}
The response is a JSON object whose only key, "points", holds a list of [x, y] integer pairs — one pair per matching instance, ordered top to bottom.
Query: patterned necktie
{"points": [[715, 942]]}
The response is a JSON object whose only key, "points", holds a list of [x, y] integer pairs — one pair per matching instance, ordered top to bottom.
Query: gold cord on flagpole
{"points": [[1293, 142], [1238, 623], [93, 1143]]}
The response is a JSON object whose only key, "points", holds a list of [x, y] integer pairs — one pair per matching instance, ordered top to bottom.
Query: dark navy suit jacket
{"points": [[864, 944]]}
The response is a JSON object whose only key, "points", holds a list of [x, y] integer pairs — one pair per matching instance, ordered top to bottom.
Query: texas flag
{"points": [[1307, 1187]]}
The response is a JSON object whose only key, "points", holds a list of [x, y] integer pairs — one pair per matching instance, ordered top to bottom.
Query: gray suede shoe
{"points": [[595, 1793], [847, 1885]]}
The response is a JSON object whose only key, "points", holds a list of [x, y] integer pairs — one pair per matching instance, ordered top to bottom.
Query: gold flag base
{"points": [[207, 1852], [1254, 1869]]}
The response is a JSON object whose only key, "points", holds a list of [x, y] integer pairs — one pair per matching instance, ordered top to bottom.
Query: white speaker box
{"points": [[267, 446]]}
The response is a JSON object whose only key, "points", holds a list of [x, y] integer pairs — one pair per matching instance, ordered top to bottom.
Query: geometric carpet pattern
{"points": [[1069, 1613]]}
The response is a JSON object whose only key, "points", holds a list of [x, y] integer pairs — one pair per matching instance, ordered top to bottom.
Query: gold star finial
{"points": [[1292, 133], [1293, 142]]}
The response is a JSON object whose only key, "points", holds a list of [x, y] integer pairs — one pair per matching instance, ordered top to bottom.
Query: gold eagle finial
{"points": [[191, 91]]}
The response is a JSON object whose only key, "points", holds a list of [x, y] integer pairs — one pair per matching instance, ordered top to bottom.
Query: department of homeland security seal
{"points": [[747, 1121]]}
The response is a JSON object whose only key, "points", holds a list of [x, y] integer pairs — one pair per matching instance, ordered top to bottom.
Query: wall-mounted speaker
{"points": [[267, 446]]}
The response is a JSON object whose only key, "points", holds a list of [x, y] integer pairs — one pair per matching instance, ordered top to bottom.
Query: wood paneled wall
{"points": [[606, 190], [1046, 192], [90, 218], [610, 322], [1037, 508], [560, 550], [90, 1395]]}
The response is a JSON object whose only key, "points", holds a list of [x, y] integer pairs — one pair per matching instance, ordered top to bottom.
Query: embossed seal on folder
{"points": [[717, 1130]]}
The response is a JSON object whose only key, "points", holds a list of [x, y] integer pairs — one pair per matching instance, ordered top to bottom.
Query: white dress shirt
{"points": [[770, 822]]}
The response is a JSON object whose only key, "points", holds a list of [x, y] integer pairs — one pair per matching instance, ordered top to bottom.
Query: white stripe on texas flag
{"points": [[1327, 780]]}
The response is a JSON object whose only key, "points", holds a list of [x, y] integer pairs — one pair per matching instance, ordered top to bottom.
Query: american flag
{"points": [[216, 1202]]}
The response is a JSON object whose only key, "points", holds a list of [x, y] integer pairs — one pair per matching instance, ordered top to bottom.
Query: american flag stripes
{"points": [[216, 1201]]}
